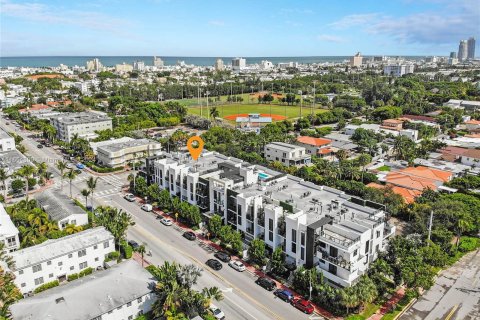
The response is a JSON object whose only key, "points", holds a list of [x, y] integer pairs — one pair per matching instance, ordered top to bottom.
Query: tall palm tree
{"points": [[61, 166], [26, 172], [71, 175], [3, 178], [92, 185], [86, 193], [37, 218], [71, 229], [142, 249], [212, 293], [349, 298]]}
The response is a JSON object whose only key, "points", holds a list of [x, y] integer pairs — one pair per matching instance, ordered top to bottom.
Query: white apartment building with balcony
{"points": [[398, 70], [83, 124], [120, 153], [287, 154], [316, 226], [8, 231], [56, 259]]}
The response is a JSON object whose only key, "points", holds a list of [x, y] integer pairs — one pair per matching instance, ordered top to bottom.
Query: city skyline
{"points": [[207, 29]]}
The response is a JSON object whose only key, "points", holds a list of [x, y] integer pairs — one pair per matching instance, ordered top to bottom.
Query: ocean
{"points": [[110, 61]]}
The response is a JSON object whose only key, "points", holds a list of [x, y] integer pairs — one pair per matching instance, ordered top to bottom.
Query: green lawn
{"points": [[230, 109], [383, 168]]}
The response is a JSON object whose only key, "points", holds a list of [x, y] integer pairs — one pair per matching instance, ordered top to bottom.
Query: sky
{"points": [[249, 28]]}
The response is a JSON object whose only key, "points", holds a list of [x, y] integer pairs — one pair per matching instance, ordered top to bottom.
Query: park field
{"points": [[290, 112]]}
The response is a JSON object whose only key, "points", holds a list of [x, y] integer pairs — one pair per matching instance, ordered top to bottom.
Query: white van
{"points": [[147, 207]]}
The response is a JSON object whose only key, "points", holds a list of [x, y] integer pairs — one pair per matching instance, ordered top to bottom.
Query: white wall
{"points": [[132, 309]]}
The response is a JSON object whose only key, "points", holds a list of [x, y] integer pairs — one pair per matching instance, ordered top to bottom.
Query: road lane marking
{"points": [[149, 235], [450, 314]]}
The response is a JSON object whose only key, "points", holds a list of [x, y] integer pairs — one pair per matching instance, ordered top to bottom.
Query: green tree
{"points": [[61, 166], [26, 172], [71, 175], [3, 178], [92, 185], [86, 193], [114, 220], [214, 225], [256, 251], [277, 262], [9, 293]]}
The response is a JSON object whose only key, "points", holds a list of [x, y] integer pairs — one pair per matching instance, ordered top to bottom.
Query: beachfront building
{"points": [[356, 60], [239, 64], [82, 124], [315, 225], [56, 259], [124, 291]]}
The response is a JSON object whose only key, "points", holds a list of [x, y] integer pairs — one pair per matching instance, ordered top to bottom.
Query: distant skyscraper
{"points": [[471, 48], [462, 50], [453, 55], [356, 60], [158, 62], [239, 63], [94, 65], [139, 65], [219, 66]]}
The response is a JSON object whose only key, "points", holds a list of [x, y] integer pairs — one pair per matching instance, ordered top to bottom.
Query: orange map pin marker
{"points": [[195, 146]]}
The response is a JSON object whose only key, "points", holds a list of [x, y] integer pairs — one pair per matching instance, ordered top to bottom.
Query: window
{"points": [[239, 219], [270, 229], [378, 233], [294, 235], [302, 238], [11, 241], [106, 244], [322, 244], [367, 246], [95, 247], [333, 251], [355, 252], [82, 253], [302, 253], [69, 255], [96, 259], [49, 263], [60, 263], [82, 265], [72, 267], [37, 268], [332, 269], [20, 271], [50, 275], [38, 281], [23, 285], [139, 300], [129, 304]]}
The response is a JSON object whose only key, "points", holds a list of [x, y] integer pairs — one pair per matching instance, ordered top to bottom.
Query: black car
{"points": [[39, 146], [189, 235], [133, 244], [222, 256], [214, 264], [266, 283], [284, 295]]}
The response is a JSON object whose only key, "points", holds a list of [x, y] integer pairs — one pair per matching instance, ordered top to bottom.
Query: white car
{"points": [[129, 197], [146, 207], [166, 221], [237, 265], [217, 313]]}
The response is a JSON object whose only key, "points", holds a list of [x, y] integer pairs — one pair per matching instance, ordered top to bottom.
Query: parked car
{"points": [[7, 123], [39, 146], [69, 165], [80, 166], [78, 171], [18, 195], [129, 197], [146, 207], [166, 221], [189, 235], [134, 244], [222, 256], [214, 264], [237, 265], [266, 283], [284, 295], [303, 305], [217, 313]]}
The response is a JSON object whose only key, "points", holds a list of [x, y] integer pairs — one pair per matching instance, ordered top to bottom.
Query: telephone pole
{"points": [[430, 227]]}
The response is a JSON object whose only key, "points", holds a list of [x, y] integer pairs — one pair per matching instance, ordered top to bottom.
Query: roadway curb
{"points": [[405, 309]]}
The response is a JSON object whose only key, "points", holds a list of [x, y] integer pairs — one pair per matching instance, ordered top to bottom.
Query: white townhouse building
{"points": [[83, 124], [7, 142], [120, 153], [287, 154], [61, 208], [314, 225], [8, 231], [55, 259], [122, 292]]}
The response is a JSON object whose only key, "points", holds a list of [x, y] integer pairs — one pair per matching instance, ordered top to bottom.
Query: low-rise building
{"points": [[398, 70], [463, 104], [253, 122], [82, 124], [473, 125], [7, 142], [315, 146], [119, 154], [287, 154], [471, 157], [11, 161], [61, 209], [315, 225], [8, 231], [56, 259], [124, 291]]}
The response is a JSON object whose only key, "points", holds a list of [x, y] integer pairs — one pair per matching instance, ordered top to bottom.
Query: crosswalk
{"points": [[113, 180], [111, 185]]}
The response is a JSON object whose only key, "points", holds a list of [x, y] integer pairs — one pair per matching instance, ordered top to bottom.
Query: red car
{"points": [[303, 305]]}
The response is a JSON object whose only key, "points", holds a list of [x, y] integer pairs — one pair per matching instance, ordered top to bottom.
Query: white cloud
{"points": [[354, 20], [217, 23], [330, 38]]}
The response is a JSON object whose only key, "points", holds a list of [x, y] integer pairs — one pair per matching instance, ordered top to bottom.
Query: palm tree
{"points": [[214, 114], [363, 160], [61, 166], [26, 172], [71, 175], [3, 177], [92, 185], [86, 193], [37, 218], [114, 220], [71, 229], [142, 249], [188, 275], [9, 293], [212, 293], [349, 298]]}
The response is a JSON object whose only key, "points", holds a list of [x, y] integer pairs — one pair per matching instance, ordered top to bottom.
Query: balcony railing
{"points": [[249, 216], [343, 242], [338, 261]]}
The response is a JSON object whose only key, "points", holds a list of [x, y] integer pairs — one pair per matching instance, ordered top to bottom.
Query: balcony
{"points": [[250, 216], [232, 218], [282, 226], [249, 230], [339, 240], [338, 261]]}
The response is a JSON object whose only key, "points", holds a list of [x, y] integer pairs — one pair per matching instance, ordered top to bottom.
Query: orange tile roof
{"points": [[34, 107], [396, 121], [313, 141], [325, 151], [472, 153], [428, 173], [410, 182], [407, 194]]}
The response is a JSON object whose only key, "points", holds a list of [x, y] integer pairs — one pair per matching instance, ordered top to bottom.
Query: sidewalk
{"points": [[387, 306]]}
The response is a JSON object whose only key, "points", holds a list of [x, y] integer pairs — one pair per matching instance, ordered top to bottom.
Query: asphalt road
{"points": [[455, 294], [243, 298]]}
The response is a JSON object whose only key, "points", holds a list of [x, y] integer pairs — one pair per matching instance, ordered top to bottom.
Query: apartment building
{"points": [[398, 70], [83, 124], [7, 142], [316, 146], [119, 154], [287, 154], [62, 209], [314, 225], [8, 231], [57, 258], [124, 291]]}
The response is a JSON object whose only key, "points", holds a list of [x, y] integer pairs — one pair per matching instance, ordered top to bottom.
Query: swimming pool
{"points": [[263, 176]]}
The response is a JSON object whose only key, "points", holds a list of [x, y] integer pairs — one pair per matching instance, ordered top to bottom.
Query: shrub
{"points": [[468, 244], [126, 250], [113, 256], [151, 269], [85, 272], [72, 277], [47, 286]]}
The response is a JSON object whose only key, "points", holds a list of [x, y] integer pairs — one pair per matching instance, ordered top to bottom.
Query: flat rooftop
{"points": [[81, 117], [118, 146], [283, 146], [13, 160], [7, 228]]}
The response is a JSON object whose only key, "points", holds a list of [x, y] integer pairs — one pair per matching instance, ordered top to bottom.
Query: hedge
{"points": [[98, 169], [126, 250], [112, 256], [82, 273], [47, 286]]}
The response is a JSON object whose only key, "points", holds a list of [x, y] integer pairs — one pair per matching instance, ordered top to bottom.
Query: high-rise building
{"points": [[471, 48], [462, 50], [453, 55], [356, 60], [158, 62], [239, 63], [94, 65], [139, 65], [219, 66], [122, 68]]}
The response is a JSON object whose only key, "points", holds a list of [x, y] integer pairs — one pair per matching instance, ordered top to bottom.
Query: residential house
{"points": [[319, 147], [287, 154], [471, 157], [8, 231]]}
